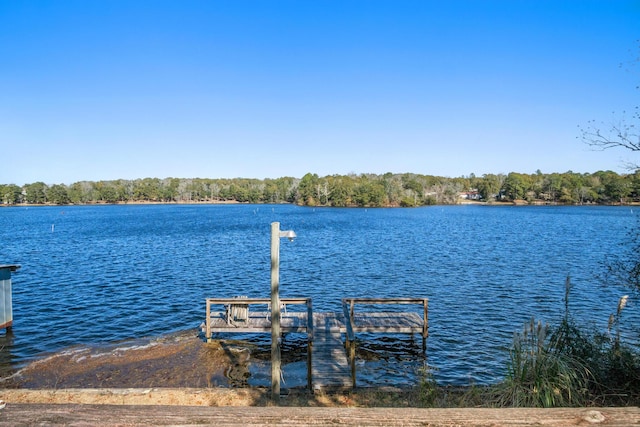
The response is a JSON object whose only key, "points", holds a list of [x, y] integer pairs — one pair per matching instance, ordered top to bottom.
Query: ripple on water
{"points": [[110, 273]]}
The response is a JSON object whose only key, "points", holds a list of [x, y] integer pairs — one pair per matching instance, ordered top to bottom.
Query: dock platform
{"points": [[330, 361]]}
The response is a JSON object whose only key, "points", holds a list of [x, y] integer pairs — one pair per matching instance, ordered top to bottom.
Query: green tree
{"points": [[634, 185], [489, 186], [514, 186], [341, 188], [393, 188], [616, 188], [147, 189], [169, 189], [255, 190], [277, 190], [307, 190], [412, 191], [82, 192], [107, 192], [369, 192], [36, 193], [570, 193], [10, 194], [57, 194]]}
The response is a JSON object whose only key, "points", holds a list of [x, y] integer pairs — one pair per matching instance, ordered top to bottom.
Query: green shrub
{"points": [[540, 374]]}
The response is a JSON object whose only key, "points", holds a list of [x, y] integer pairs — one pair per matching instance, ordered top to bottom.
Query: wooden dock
{"points": [[330, 360], [330, 367]]}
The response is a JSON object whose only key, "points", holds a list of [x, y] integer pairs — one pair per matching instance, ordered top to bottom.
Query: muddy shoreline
{"points": [[184, 359], [178, 360], [179, 369]]}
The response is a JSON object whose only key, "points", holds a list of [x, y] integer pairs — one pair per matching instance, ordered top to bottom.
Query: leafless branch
{"points": [[623, 134]]}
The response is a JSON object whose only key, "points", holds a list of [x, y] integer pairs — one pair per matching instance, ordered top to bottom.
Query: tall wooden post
{"points": [[275, 311], [208, 321], [425, 324], [310, 332], [352, 358]]}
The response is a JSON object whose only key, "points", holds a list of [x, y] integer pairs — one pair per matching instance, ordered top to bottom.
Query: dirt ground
{"points": [[178, 361], [180, 369]]}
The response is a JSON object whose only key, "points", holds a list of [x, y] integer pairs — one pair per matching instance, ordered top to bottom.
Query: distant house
{"points": [[471, 195]]}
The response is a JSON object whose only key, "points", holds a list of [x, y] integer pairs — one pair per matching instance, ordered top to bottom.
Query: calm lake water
{"points": [[101, 274]]}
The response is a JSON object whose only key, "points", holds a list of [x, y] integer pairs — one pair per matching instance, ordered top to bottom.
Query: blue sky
{"points": [[100, 90]]}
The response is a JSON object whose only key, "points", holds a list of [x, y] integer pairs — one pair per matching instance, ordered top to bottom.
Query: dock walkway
{"points": [[330, 361], [330, 366]]}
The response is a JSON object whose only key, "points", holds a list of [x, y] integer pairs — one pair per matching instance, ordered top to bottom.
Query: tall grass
{"points": [[563, 365], [617, 365], [570, 366], [539, 374]]}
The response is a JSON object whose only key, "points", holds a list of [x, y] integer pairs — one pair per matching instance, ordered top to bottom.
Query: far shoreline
{"points": [[235, 202]]}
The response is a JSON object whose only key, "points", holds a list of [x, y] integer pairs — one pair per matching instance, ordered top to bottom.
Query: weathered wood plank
{"points": [[259, 321], [381, 322], [385, 322], [330, 365], [85, 415]]}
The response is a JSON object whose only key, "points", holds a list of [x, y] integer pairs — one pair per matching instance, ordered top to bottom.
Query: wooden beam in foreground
{"points": [[84, 415]]}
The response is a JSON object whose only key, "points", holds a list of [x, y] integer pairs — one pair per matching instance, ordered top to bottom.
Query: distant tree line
{"points": [[364, 190]]}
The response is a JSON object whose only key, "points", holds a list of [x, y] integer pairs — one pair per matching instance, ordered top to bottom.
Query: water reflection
{"points": [[394, 360], [237, 372]]}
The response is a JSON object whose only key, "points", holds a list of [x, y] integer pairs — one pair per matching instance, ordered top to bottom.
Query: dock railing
{"points": [[348, 308], [260, 321], [394, 322]]}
